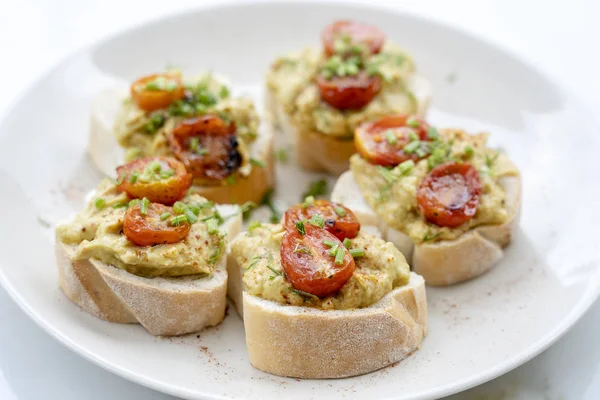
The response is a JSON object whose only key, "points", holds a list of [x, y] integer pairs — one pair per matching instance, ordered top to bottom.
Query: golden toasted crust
{"points": [[304, 342]]}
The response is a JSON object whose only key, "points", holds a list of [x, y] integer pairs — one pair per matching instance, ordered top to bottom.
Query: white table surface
{"points": [[560, 37]]}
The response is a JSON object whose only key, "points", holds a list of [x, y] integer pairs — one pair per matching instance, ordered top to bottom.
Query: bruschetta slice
{"points": [[318, 96], [219, 138], [448, 202], [146, 251], [320, 298]]}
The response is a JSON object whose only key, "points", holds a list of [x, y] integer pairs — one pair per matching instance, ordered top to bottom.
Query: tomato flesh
{"points": [[357, 33], [157, 91], [349, 92], [374, 145], [208, 146], [165, 185], [449, 194], [341, 226], [149, 230], [308, 265]]}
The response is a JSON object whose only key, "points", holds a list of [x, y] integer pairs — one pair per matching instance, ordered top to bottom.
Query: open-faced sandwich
{"points": [[318, 96], [216, 137], [445, 199], [146, 251], [322, 299]]}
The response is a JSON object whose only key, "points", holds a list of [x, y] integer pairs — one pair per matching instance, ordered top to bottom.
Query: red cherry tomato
{"points": [[356, 33], [157, 91], [349, 92], [339, 220], [149, 229]]}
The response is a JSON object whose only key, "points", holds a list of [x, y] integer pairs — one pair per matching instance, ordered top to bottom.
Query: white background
{"points": [[559, 37]]}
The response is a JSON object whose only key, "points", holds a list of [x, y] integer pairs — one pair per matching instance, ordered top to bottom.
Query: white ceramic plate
{"points": [[478, 330]]}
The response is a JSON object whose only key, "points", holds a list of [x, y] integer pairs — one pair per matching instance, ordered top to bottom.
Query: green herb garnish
{"points": [[224, 92], [413, 122], [433, 133], [391, 137], [411, 147], [469, 151], [282, 155], [256, 162], [405, 167], [387, 174], [134, 177], [308, 201], [99, 203], [144, 206], [179, 207], [340, 211], [164, 216], [191, 217], [178, 220], [317, 220], [212, 225], [253, 225], [300, 227], [428, 236], [329, 243], [347, 243], [302, 249], [334, 250], [357, 252], [217, 253], [339, 255], [305, 294]]}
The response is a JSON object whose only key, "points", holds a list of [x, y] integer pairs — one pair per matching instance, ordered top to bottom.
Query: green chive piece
{"points": [[327, 74], [224, 92], [413, 122], [433, 133], [412, 135], [390, 136], [194, 143], [412, 147], [202, 151], [469, 151], [282, 155], [256, 162], [154, 166], [405, 167], [167, 174], [387, 174], [134, 177], [120, 179], [230, 179], [308, 201], [133, 202], [99, 203], [119, 205], [144, 206], [179, 207], [195, 208], [340, 211], [164, 216], [191, 217], [178, 220], [317, 220], [253, 225], [213, 226], [300, 227], [329, 243], [347, 243], [302, 249], [334, 250], [357, 252], [339, 255], [305, 294]]}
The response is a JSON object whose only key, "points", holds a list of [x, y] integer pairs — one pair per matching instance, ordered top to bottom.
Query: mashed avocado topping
{"points": [[291, 80], [144, 133], [392, 192], [97, 232], [381, 269]]}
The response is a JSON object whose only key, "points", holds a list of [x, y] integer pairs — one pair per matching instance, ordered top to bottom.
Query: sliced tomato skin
{"points": [[359, 33], [349, 92], [152, 100], [372, 144], [222, 157], [165, 191], [449, 195], [341, 227], [149, 230], [306, 272]]}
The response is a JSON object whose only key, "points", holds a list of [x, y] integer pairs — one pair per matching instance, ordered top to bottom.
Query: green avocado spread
{"points": [[291, 81], [143, 133], [391, 193], [97, 232], [381, 269]]}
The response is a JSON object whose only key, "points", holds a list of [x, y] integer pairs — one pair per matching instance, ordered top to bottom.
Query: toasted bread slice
{"points": [[322, 153], [107, 155], [444, 262], [164, 306], [304, 342]]}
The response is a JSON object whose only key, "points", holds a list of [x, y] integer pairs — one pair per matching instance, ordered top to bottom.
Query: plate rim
{"points": [[590, 296]]}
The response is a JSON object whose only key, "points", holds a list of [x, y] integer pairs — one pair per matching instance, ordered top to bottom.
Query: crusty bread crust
{"points": [[316, 151], [107, 155], [445, 262], [303, 342]]}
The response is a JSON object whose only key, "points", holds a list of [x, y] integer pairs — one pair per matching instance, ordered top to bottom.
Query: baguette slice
{"points": [[322, 153], [107, 155], [445, 262], [164, 306], [303, 342]]}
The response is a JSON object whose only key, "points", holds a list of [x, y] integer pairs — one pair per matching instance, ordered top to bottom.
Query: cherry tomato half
{"points": [[356, 33], [156, 91], [349, 92], [382, 142], [208, 146], [160, 179], [449, 194], [339, 220], [149, 230], [308, 264]]}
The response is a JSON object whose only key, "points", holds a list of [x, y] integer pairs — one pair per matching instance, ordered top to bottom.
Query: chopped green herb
{"points": [[224, 92], [413, 122], [433, 133], [412, 135], [391, 137], [194, 143], [412, 147], [469, 151], [282, 155], [489, 161], [258, 163], [154, 166], [404, 167], [166, 174], [387, 174], [134, 177], [120, 179], [230, 179], [316, 188], [308, 201], [99, 203], [133, 203], [119, 205], [144, 206], [179, 207], [340, 211], [164, 216], [191, 217], [178, 220], [317, 220], [253, 225], [213, 226], [300, 227], [429, 237], [329, 243], [347, 243], [302, 249], [334, 249], [357, 252], [339, 255], [214, 257], [253, 261], [273, 270], [305, 294]]}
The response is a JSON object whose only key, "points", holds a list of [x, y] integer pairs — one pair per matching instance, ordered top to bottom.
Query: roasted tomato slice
{"points": [[354, 32], [157, 91], [349, 92], [382, 142], [208, 146], [160, 179], [449, 194], [339, 220], [149, 229], [308, 264]]}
